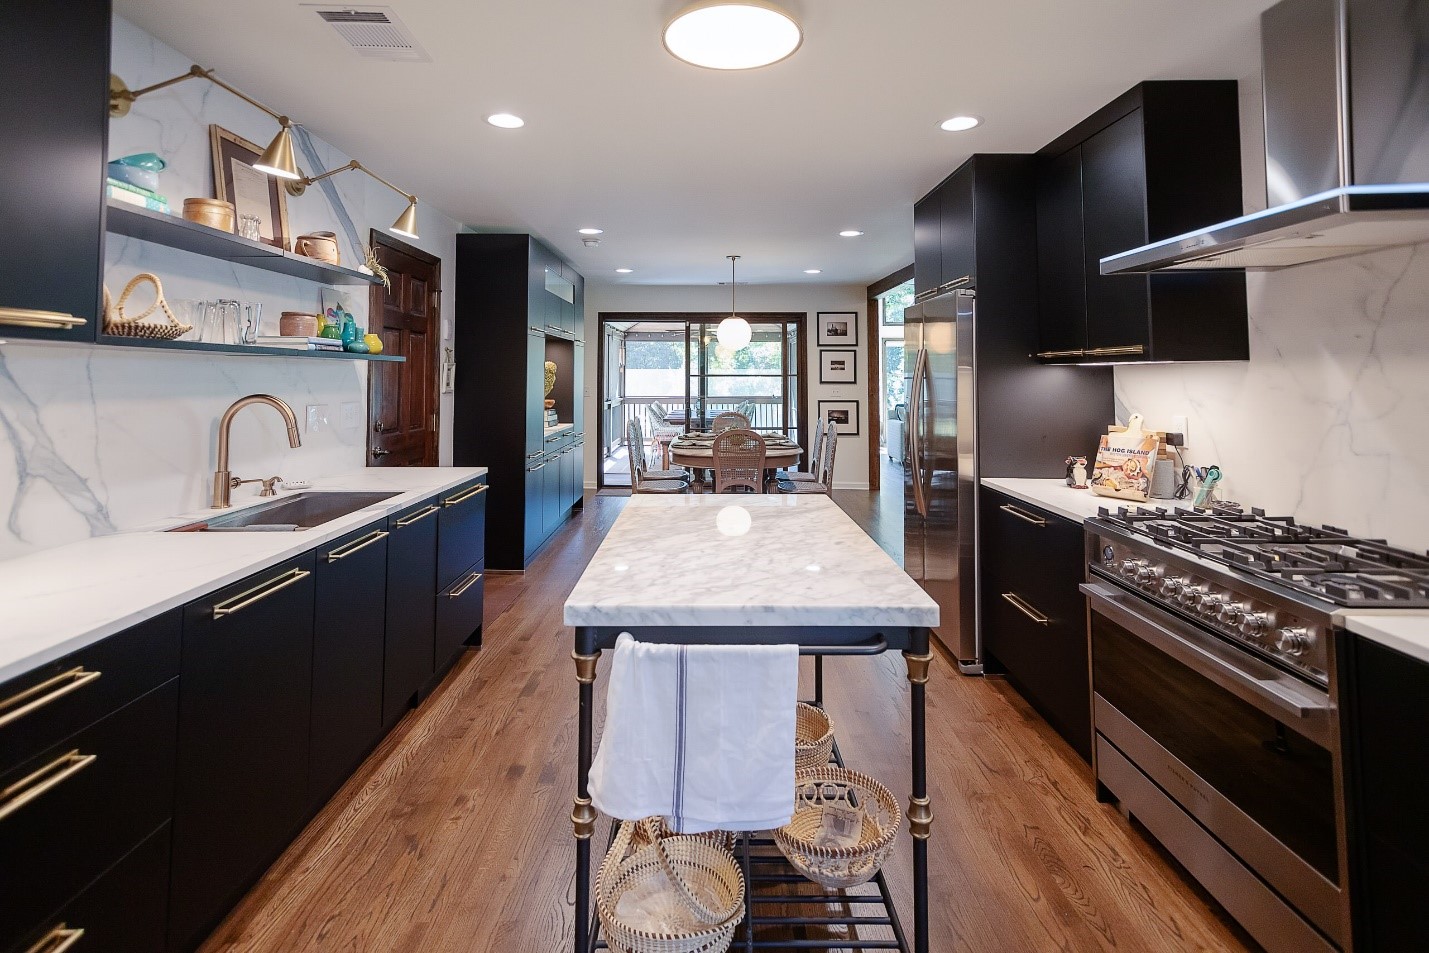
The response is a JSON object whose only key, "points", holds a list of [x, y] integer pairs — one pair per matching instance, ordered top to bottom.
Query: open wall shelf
{"points": [[180, 233], [243, 350]]}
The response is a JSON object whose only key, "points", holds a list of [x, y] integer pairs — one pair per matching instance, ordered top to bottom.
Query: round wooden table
{"points": [[700, 457]]}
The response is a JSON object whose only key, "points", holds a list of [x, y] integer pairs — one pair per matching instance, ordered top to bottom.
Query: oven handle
{"points": [[1204, 653]]}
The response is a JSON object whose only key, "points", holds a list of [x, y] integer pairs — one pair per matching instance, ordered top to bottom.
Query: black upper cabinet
{"points": [[55, 113], [1161, 160], [958, 229], [928, 244]]}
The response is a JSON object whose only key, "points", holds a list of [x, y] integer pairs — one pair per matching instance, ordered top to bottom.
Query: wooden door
{"points": [[402, 398]]}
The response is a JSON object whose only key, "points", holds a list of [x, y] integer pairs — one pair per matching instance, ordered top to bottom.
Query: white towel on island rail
{"points": [[700, 734]]}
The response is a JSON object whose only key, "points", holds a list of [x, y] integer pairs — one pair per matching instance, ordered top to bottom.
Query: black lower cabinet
{"points": [[461, 530], [459, 609], [411, 612], [1033, 613], [348, 646], [244, 717], [1387, 748], [123, 911]]}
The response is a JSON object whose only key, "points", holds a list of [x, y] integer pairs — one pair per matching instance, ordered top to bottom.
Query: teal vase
{"points": [[350, 332]]}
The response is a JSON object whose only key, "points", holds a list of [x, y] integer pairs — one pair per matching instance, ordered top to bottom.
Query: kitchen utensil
{"points": [[215, 213], [319, 245], [119, 323], [298, 324], [1208, 485]]}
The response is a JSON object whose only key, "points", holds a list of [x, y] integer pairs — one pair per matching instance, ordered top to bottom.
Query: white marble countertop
{"points": [[557, 428], [1056, 497], [743, 561], [62, 599], [1404, 631]]}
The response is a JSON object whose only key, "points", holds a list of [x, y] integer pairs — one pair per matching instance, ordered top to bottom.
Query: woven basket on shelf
{"points": [[116, 322], [813, 737], [652, 829], [839, 867], [703, 881]]}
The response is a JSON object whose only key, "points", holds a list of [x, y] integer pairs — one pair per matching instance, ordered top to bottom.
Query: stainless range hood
{"points": [[1346, 141]]}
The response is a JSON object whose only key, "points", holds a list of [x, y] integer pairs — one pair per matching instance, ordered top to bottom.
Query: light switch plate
{"points": [[351, 416], [316, 420]]}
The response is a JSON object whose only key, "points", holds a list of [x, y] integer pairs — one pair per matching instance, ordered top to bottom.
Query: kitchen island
{"points": [[754, 570]]}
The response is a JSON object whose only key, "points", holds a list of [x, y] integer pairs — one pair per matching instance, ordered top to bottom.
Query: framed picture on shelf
{"points": [[251, 192], [838, 329], [838, 367], [844, 414]]}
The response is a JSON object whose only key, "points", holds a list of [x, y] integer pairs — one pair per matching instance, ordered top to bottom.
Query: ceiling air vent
{"points": [[374, 32]]}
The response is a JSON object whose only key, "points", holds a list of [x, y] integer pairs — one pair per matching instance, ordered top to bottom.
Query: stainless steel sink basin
{"points": [[297, 512]]}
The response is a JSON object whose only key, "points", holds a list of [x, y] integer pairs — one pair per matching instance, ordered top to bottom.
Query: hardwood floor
{"points": [[455, 835]]}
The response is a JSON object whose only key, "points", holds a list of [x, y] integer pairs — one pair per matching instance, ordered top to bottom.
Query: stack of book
{"points": [[136, 195], [299, 343], [551, 420]]}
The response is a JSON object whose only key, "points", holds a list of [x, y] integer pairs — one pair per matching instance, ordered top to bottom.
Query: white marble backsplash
{"points": [[1329, 420]]}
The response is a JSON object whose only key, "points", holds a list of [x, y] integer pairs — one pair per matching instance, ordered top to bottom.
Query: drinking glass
{"points": [[252, 318]]}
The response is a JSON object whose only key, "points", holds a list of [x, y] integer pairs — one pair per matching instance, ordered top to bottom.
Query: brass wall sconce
{"points": [[406, 224]]}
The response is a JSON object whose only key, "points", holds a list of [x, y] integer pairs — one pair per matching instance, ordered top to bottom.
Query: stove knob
{"points": [[1129, 567], [1148, 574], [1171, 585], [1190, 595], [1209, 604], [1231, 613], [1255, 623], [1293, 641]]}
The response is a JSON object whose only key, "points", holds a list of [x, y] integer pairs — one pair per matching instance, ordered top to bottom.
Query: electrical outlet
{"points": [[351, 416], [317, 418], [1178, 425]]}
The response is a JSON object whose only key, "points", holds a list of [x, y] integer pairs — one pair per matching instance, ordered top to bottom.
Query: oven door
{"points": [[1247, 750]]}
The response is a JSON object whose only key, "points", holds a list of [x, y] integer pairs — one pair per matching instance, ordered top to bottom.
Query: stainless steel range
{"points": [[1215, 699]]}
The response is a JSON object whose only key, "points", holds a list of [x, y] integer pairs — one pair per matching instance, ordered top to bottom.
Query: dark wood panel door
{"points": [[55, 117], [1114, 211], [956, 233], [927, 244], [1061, 256], [402, 398]]}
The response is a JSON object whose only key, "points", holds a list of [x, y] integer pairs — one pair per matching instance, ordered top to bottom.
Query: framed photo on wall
{"points": [[251, 192], [838, 329], [838, 367], [844, 413]]}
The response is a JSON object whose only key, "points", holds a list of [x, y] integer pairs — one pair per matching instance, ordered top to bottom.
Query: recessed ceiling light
{"points": [[732, 34], [506, 120], [960, 124], [592, 231], [850, 233], [623, 271], [813, 271]]}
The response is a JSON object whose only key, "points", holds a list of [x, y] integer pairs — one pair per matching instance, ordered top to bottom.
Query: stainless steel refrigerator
{"points": [[940, 476]]}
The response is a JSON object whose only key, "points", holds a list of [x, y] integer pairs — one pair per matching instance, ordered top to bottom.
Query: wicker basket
{"points": [[116, 322], [813, 737], [652, 829], [839, 867], [704, 878]]}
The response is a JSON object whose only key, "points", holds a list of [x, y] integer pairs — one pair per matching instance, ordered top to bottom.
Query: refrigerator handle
{"points": [[915, 432]]}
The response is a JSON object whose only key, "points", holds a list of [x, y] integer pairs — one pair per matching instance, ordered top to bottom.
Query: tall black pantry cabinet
{"points": [[519, 305]]}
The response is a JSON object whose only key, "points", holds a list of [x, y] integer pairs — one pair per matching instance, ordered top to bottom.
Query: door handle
{"points": [[29, 318], [1116, 351], [920, 372], [377, 427], [379, 452], [475, 491], [1022, 514], [416, 517], [356, 545], [460, 590], [259, 592], [1022, 606], [38, 696], [36, 783], [59, 939]]}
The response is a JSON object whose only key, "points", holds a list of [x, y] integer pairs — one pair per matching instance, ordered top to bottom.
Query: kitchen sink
{"points": [[298, 512]]}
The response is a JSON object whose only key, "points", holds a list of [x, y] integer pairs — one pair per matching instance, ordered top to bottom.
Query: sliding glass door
{"points": [[760, 380]]}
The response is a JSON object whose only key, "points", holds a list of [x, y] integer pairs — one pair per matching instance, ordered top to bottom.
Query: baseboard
{"points": [[851, 486]]}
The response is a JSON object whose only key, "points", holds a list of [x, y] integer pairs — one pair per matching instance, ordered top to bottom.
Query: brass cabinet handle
{"points": [[950, 285], [28, 318], [536, 329], [1115, 351], [1075, 352], [540, 466], [474, 491], [1022, 514], [417, 517], [357, 544], [260, 592], [457, 592], [1021, 606], [20, 704], [35, 783], [58, 940]]}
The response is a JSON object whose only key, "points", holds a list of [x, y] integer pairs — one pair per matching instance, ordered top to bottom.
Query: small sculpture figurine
{"points": [[550, 383], [1077, 473]]}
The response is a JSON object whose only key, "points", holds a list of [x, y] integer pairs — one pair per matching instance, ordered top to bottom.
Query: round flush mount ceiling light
{"points": [[732, 34], [506, 121], [960, 124], [591, 231], [850, 233], [624, 271], [813, 271]]}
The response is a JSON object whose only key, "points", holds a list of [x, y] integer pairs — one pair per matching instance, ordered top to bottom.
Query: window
{"points": [[890, 341]]}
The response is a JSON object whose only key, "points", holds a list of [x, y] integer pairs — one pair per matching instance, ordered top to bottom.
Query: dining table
{"points": [[696, 451], [772, 570]]}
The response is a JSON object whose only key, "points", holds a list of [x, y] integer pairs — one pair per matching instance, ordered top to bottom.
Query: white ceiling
{"points": [[682, 166]]}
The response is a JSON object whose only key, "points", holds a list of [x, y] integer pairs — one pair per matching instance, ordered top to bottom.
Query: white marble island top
{"points": [[756, 560], [62, 599]]}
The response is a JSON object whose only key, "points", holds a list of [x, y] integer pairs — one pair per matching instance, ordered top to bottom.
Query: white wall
{"points": [[1329, 419], [98, 439], [851, 464]]}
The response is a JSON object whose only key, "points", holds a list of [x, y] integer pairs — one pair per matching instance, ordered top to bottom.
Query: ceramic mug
{"points": [[319, 245]]}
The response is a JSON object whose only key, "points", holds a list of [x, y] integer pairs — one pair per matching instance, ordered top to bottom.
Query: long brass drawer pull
{"points": [[28, 318], [1116, 351], [1075, 352], [475, 491], [1022, 514], [417, 517], [356, 545], [457, 592], [258, 593], [1021, 606], [19, 705], [34, 784], [58, 940]]}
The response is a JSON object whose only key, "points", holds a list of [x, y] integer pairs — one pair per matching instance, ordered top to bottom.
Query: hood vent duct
{"points": [[374, 32], [1347, 143]]}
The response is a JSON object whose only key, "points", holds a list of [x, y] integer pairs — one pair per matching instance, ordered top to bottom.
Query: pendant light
{"points": [[734, 332]]}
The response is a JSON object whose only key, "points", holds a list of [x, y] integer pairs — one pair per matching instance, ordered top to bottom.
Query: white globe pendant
{"points": [[734, 333]]}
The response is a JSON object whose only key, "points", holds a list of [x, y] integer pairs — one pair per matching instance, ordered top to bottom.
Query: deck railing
{"points": [[768, 414]]}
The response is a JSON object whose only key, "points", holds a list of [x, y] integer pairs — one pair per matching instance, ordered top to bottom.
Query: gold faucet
{"points": [[223, 481]]}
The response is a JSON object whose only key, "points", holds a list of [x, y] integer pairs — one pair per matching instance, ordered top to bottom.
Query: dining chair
{"points": [[729, 420], [634, 455], [739, 459], [642, 462], [825, 469], [810, 475]]}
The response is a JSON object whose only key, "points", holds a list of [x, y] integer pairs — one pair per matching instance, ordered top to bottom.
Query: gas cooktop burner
{"points": [[1325, 562]]}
